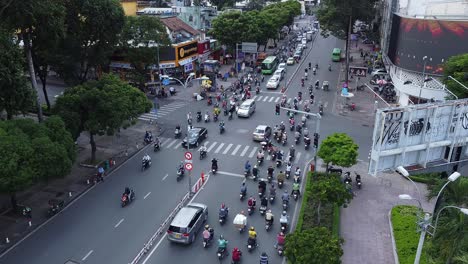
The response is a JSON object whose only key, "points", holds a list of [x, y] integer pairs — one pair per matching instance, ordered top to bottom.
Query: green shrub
{"points": [[336, 221], [404, 221]]}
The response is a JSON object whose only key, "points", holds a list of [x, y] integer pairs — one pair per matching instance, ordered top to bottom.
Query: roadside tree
{"points": [[228, 29], [91, 36], [140, 38], [457, 67], [16, 96], [101, 107], [339, 149], [31, 152], [329, 189], [313, 246]]}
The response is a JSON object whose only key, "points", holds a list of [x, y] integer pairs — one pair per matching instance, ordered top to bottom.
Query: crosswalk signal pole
{"points": [[317, 130]]}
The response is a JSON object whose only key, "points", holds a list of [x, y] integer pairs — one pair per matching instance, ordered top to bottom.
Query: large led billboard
{"points": [[413, 39]]}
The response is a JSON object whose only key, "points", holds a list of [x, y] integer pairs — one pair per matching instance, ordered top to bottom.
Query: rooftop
{"points": [[176, 24]]}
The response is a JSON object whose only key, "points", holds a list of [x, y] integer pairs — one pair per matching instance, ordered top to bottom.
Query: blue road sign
{"points": [[165, 81]]}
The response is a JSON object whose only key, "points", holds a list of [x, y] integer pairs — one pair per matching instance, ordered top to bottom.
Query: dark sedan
{"points": [[195, 136]]}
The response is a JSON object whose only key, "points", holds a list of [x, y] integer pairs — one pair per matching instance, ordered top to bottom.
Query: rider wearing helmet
{"points": [[223, 211], [222, 243]]}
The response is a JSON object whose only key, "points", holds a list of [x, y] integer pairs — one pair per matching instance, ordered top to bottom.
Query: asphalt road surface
{"points": [[95, 229]]}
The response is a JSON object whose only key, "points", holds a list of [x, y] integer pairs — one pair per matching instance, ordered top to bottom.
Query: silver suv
{"points": [[187, 223]]}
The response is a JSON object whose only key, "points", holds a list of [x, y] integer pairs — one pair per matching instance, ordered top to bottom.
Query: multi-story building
{"points": [[418, 36]]}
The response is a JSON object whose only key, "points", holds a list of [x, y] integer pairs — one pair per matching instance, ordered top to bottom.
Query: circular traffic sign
{"points": [[188, 155], [188, 166]]}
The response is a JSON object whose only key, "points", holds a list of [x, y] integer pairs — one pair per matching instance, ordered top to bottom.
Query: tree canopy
{"points": [[139, 39], [457, 67], [16, 96], [101, 107], [339, 149], [31, 152], [313, 246]]}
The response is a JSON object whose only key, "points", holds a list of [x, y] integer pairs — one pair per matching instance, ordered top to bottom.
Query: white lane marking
{"points": [[271, 92], [255, 97], [259, 98], [265, 99], [271, 99], [277, 99], [289, 100], [325, 104], [165, 141], [172, 143], [178, 145], [212, 146], [219, 148], [227, 149], [236, 149], [244, 151], [252, 153], [298, 156], [307, 156], [268, 157], [231, 174], [165, 177], [146, 196], [117, 225], [163, 238], [87, 255]]}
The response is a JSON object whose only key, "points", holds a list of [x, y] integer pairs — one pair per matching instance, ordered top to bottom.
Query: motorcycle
{"points": [[329, 67], [257, 90], [321, 111], [230, 116], [199, 117], [207, 118], [215, 118], [291, 127], [221, 129], [177, 133], [285, 140], [296, 140], [306, 143], [156, 147], [202, 154], [260, 161], [279, 163], [145, 164], [214, 169], [246, 172], [180, 173], [288, 174], [269, 178], [358, 181], [280, 184], [242, 195], [295, 195], [272, 198], [126, 199], [285, 205], [55, 206], [251, 209], [262, 210], [222, 218], [268, 225], [284, 227], [251, 244], [280, 249], [221, 253]]}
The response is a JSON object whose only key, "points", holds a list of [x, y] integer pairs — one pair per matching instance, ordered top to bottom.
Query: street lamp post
{"points": [[187, 81], [402, 171], [453, 177], [463, 210]]}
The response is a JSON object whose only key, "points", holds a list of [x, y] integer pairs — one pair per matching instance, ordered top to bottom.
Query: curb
{"points": [[74, 198], [395, 254]]}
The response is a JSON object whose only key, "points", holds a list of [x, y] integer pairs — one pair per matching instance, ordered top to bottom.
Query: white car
{"points": [[304, 43], [290, 61], [282, 66], [379, 72], [280, 73], [273, 83]]}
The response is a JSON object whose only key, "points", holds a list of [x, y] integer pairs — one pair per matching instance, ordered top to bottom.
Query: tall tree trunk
{"points": [[348, 31], [32, 73], [44, 90], [93, 146], [14, 202], [318, 212]]}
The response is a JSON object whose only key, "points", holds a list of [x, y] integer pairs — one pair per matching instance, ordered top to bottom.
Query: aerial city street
{"points": [[189, 137]]}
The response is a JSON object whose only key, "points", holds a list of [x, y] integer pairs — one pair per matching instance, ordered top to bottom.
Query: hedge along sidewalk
{"points": [[404, 222]]}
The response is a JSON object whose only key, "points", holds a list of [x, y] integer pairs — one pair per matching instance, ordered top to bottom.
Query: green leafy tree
{"points": [[220, 4], [337, 16], [27, 18], [227, 28], [91, 36], [139, 40], [457, 67], [16, 96], [101, 107], [339, 149], [28, 155], [329, 189], [313, 246]]}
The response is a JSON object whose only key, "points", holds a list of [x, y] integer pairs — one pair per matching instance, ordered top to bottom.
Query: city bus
{"points": [[336, 54], [269, 65]]}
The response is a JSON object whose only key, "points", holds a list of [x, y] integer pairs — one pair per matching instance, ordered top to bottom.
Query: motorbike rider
{"points": [[310, 65], [329, 67], [317, 84], [321, 108], [277, 109], [207, 116], [221, 124], [282, 127], [305, 132], [297, 135], [284, 136], [307, 140], [156, 142], [203, 150], [292, 151], [260, 155], [279, 155], [146, 159], [214, 164], [247, 167], [288, 168], [255, 171], [270, 171], [297, 174], [280, 177], [358, 178], [262, 187], [296, 188], [272, 190], [285, 196], [251, 202], [264, 202], [224, 210], [269, 217], [284, 219], [208, 233], [252, 235], [280, 239], [222, 243], [236, 255], [264, 258]]}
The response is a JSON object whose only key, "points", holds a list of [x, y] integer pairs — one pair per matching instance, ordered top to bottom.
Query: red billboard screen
{"points": [[413, 39]]}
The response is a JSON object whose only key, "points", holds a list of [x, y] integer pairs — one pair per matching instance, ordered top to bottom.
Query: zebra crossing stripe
{"points": [[260, 98], [265, 99], [271, 99], [277, 99], [289, 100], [165, 141], [172, 143], [178, 145], [212, 146], [219, 148], [227, 149], [235, 150], [244, 151], [252, 153], [268, 157]]}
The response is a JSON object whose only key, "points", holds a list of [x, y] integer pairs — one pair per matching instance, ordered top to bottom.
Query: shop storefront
{"points": [[186, 56]]}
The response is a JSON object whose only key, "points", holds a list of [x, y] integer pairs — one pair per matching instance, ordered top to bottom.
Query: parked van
{"points": [[247, 108], [187, 223]]}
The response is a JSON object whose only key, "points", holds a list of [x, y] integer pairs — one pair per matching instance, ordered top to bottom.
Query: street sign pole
{"points": [[317, 129]]}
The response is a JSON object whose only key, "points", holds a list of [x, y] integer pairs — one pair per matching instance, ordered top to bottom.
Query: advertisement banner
{"points": [[413, 39], [203, 47], [187, 50]]}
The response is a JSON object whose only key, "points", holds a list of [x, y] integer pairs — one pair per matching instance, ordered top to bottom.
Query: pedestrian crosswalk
{"points": [[164, 110], [239, 150]]}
